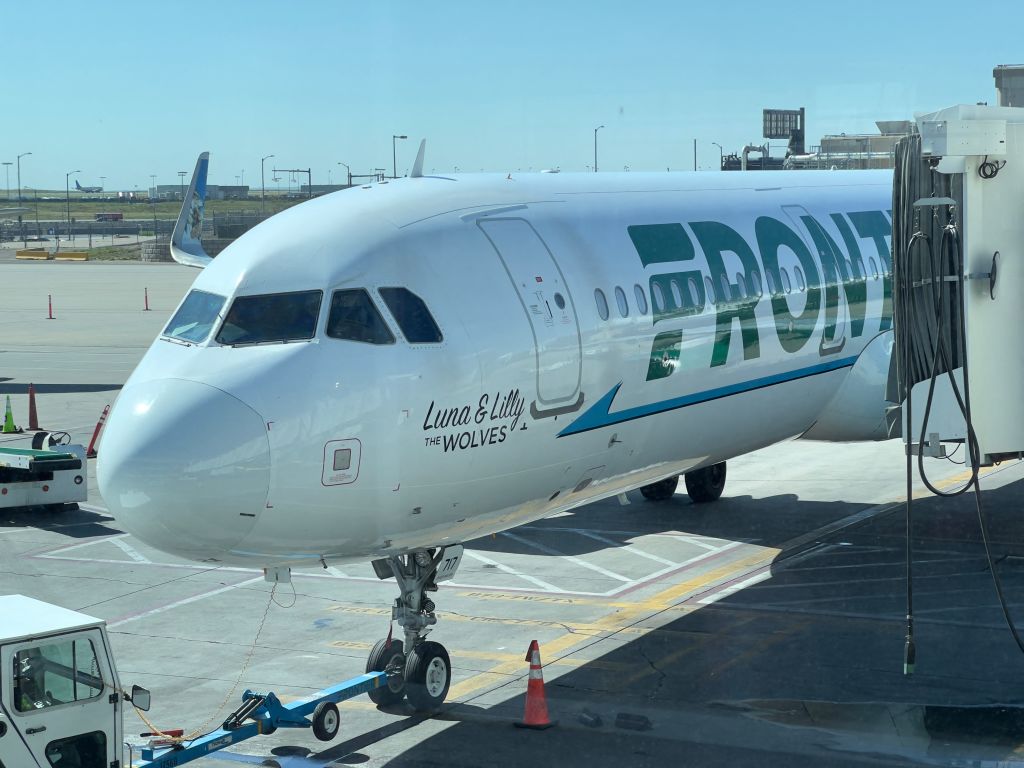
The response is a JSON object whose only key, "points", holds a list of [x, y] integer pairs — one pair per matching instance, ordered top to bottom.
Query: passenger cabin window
{"points": [[710, 289], [658, 297], [641, 299], [620, 300], [602, 303], [412, 316], [195, 317], [271, 317], [354, 317]]}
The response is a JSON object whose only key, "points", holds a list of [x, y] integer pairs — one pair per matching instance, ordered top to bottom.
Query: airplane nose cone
{"points": [[185, 467]]}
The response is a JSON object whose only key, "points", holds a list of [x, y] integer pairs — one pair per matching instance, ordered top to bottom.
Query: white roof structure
{"points": [[22, 618]]}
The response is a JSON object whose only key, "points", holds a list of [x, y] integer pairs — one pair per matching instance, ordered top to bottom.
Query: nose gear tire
{"points": [[388, 658], [428, 676]]}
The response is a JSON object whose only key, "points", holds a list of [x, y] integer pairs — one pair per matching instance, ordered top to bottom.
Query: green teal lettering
{"points": [[872, 225], [716, 239], [661, 243], [833, 268], [855, 286], [793, 330], [664, 355]]}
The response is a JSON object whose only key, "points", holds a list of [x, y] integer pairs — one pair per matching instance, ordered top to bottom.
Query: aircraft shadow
{"points": [[56, 389], [72, 521], [769, 522], [804, 668]]}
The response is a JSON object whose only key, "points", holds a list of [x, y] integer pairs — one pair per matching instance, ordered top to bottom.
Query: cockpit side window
{"points": [[411, 314], [195, 317], [272, 317], [355, 317]]}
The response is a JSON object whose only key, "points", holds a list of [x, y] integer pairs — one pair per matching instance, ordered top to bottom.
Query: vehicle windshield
{"points": [[195, 317], [273, 317]]}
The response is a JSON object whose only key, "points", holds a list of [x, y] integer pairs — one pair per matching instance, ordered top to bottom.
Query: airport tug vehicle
{"points": [[48, 475], [62, 705]]}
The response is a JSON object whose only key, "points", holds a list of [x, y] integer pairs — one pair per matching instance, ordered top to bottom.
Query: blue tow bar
{"points": [[265, 714]]}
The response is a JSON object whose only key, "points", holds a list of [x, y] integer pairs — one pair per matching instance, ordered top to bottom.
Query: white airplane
{"points": [[87, 190], [386, 372]]}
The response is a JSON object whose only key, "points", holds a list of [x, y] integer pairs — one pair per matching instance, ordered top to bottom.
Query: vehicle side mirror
{"points": [[140, 698]]}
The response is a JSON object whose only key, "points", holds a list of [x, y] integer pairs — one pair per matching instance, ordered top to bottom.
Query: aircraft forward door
{"points": [[549, 308]]}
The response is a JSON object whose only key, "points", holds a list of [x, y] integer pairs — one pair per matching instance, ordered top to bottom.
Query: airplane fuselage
{"points": [[600, 332]]}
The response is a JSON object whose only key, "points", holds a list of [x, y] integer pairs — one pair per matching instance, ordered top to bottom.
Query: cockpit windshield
{"points": [[195, 317], [273, 317]]}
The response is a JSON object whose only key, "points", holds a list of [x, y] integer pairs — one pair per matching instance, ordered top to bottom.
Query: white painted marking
{"points": [[94, 508], [91, 542], [697, 542], [621, 547], [128, 549], [571, 558], [336, 572], [512, 572], [732, 589], [186, 601]]}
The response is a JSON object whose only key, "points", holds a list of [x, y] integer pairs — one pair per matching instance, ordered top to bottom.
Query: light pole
{"points": [[595, 146], [394, 162], [348, 171], [8, 173], [19, 173], [103, 182], [181, 182], [263, 186], [67, 199]]}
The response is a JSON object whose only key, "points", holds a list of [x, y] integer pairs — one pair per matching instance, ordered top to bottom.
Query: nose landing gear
{"points": [[417, 669]]}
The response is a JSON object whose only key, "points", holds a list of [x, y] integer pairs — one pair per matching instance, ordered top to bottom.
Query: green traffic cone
{"points": [[9, 419]]}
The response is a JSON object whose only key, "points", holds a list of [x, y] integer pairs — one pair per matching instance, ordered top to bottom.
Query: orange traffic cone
{"points": [[33, 418], [536, 714]]}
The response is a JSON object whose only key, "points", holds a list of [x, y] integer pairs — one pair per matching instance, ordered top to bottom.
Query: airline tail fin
{"points": [[77, 185], [186, 241]]}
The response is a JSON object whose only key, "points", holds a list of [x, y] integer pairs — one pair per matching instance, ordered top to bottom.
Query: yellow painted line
{"points": [[525, 598], [506, 658]]}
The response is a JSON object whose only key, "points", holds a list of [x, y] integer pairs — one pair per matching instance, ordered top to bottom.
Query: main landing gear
{"points": [[702, 485], [417, 669]]}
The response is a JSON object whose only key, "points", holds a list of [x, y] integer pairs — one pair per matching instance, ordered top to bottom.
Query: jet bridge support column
{"points": [[958, 280]]}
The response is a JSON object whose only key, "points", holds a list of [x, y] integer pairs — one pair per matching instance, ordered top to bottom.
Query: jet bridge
{"points": [[958, 284]]}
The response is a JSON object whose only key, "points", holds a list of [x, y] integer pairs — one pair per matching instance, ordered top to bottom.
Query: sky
{"points": [[122, 91]]}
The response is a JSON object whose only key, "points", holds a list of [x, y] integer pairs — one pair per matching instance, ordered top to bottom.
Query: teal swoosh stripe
{"points": [[599, 414]]}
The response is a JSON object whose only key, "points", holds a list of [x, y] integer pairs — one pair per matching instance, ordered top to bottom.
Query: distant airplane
{"points": [[80, 188], [389, 371]]}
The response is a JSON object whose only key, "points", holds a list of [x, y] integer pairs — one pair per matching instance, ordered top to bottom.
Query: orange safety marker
{"points": [[145, 295], [49, 302], [33, 418], [91, 453], [536, 713]]}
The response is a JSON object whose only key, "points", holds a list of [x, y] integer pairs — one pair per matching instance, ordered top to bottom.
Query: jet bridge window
{"points": [[411, 314], [195, 317], [272, 317], [355, 317]]}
